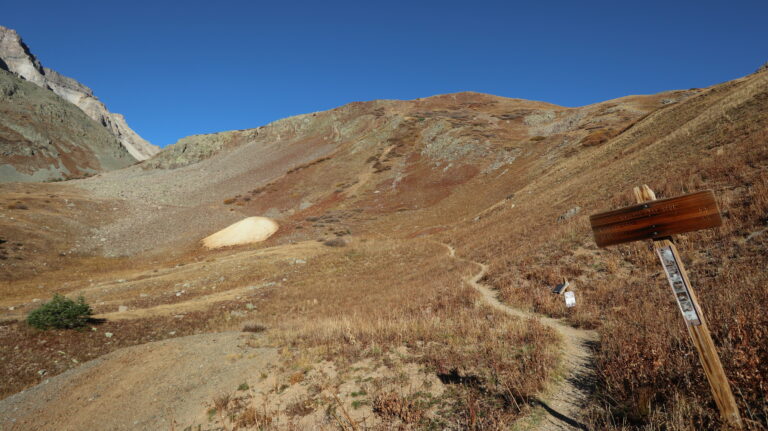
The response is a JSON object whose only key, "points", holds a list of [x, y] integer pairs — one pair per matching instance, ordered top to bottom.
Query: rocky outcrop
{"points": [[16, 57], [190, 150]]}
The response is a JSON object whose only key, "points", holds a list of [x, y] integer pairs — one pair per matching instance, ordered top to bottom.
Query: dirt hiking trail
{"points": [[565, 399]]}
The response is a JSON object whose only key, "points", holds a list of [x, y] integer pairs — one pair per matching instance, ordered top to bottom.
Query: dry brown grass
{"points": [[597, 137], [368, 300], [374, 300], [362, 301], [650, 377]]}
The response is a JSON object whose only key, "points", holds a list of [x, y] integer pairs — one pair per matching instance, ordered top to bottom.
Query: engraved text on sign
{"points": [[656, 219]]}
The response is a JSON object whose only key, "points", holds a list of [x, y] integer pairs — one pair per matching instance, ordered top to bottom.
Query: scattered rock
{"points": [[568, 214], [755, 234], [108, 334]]}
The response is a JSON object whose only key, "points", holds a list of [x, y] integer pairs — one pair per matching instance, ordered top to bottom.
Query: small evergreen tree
{"points": [[61, 313]]}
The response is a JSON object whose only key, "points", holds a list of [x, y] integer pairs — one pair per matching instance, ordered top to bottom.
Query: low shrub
{"points": [[597, 137], [18, 206], [336, 242], [60, 313], [254, 327]]}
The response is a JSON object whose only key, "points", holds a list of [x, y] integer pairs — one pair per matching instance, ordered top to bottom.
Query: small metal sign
{"points": [[679, 286], [561, 288], [570, 299]]}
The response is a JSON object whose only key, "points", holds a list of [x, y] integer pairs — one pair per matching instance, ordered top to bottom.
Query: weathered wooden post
{"points": [[659, 220]]}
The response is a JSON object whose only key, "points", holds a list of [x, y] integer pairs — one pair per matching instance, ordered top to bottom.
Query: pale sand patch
{"points": [[246, 231]]}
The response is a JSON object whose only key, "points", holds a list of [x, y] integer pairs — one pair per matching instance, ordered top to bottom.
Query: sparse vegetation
{"points": [[597, 137], [307, 165], [18, 206], [335, 242], [254, 327]]}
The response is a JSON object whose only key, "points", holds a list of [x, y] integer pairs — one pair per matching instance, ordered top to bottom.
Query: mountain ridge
{"points": [[17, 58]]}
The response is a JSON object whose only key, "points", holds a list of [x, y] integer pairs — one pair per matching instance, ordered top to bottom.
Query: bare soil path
{"points": [[564, 400]]}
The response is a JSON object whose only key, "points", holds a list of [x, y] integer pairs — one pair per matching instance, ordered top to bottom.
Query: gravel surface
{"points": [[176, 208], [140, 388]]}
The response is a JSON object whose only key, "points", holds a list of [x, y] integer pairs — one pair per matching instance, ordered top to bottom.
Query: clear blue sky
{"points": [[181, 68]]}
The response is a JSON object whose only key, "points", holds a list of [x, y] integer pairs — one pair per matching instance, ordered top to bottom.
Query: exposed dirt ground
{"points": [[140, 387]]}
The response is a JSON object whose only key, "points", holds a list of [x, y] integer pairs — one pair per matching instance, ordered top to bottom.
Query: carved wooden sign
{"points": [[656, 219], [659, 220]]}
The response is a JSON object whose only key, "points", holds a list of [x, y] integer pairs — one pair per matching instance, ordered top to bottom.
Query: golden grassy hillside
{"points": [[649, 374]]}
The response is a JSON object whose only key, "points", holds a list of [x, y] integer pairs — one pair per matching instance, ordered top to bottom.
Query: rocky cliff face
{"points": [[16, 57]]}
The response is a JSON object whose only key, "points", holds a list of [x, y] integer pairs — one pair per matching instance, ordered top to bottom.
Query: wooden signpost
{"points": [[658, 220]]}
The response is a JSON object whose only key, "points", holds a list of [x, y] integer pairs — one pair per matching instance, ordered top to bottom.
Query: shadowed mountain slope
{"points": [[45, 138]]}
